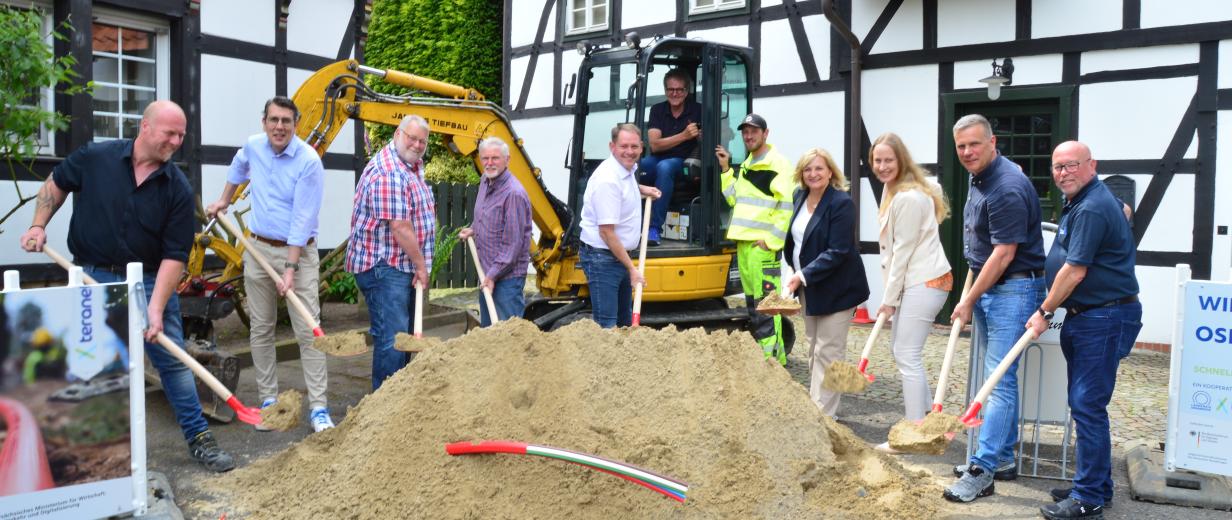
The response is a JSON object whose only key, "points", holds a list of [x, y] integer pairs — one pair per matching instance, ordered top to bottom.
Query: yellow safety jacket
{"points": [[760, 197]]}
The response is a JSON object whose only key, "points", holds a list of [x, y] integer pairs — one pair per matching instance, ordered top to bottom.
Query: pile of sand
{"points": [[702, 408], [283, 415], [929, 436]]}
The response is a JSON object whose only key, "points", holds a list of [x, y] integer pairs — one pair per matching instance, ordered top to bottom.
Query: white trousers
{"points": [[912, 322]]}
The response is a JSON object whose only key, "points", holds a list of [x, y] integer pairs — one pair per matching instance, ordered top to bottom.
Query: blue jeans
{"points": [[661, 173], [388, 292], [611, 296], [508, 300], [1001, 315], [1094, 343], [177, 379]]}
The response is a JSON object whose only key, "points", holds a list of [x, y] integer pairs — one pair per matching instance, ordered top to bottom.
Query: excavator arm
{"points": [[339, 92]]}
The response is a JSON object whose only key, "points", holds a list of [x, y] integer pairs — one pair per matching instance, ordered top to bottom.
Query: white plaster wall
{"points": [[638, 13], [1159, 13], [864, 14], [1058, 18], [239, 20], [524, 22], [965, 22], [317, 26], [817, 28], [905, 31], [738, 35], [778, 47], [1142, 57], [569, 63], [1225, 64], [1028, 70], [540, 93], [904, 101], [230, 108], [1151, 108], [798, 123], [344, 141], [545, 142], [1192, 151], [335, 223], [1173, 225], [870, 228], [10, 240], [1221, 257], [876, 286], [1158, 303]]}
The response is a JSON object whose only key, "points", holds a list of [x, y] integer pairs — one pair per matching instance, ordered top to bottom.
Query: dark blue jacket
{"points": [[829, 255]]}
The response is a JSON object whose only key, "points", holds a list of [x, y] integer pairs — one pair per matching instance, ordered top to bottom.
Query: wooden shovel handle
{"points": [[641, 260], [269, 270], [487, 293], [418, 325], [955, 331], [872, 336], [1002, 367]]}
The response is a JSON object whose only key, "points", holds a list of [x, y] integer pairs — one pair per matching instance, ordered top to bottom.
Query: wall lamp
{"points": [[1002, 75]]}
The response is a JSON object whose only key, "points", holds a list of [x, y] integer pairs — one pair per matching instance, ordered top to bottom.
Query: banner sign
{"points": [[66, 404], [1200, 418]]}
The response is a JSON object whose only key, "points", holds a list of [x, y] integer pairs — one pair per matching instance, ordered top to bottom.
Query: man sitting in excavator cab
{"points": [[673, 130]]}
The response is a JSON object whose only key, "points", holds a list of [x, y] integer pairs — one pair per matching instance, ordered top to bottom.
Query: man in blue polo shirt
{"points": [[673, 130], [132, 204], [1003, 245], [1090, 274]]}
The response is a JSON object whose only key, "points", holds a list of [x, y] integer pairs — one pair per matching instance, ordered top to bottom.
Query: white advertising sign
{"points": [[1200, 393]]}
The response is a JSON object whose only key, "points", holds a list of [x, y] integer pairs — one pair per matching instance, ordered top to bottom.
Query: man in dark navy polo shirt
{"points": [[673, 132], [133, 205], [1003, 245], [1090, 274]]}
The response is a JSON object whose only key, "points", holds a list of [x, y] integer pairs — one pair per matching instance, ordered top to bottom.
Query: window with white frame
{"points": [[710, 6], [585, 16], [131, 66], [42, 96]]}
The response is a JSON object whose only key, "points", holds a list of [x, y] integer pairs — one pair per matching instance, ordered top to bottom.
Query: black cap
{"points": [[753, 120]]}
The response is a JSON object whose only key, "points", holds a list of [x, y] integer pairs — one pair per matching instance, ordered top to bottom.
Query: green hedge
{"points": [[456, 41]]}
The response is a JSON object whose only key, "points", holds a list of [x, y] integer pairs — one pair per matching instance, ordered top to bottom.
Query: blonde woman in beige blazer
{"points": [[914, 269]]}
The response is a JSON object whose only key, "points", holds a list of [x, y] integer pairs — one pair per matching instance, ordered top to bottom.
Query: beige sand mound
{"points": [[347, 343], [408, 343], [844, 377], [703, 408], [284, 414]]}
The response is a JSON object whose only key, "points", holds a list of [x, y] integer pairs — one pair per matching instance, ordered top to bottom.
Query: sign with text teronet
{"points": [[1200, 389]]}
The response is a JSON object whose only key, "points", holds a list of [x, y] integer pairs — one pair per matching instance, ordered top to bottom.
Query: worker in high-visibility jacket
{"points": [[760, 196]]}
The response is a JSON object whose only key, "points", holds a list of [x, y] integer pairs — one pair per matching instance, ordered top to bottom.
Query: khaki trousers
{"points": [[262, 295], [825, 339]]}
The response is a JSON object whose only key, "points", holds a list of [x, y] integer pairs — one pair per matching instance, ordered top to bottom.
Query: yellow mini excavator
{"points": [[690, 273]]}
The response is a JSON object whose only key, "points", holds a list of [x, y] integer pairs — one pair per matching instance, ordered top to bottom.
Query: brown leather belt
{"points": [[278, 243]]}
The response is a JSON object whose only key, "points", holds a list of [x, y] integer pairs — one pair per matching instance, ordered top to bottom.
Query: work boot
{"points": [[204, 449], [1004, 471], [976, 482], [1059, 494], [1071, 508]]}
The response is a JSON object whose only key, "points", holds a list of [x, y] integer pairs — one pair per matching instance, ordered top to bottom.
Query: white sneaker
{"points": [[268, 402], [319, 417]]}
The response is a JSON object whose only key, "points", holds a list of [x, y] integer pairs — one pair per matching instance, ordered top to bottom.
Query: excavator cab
{"points": [[620, 85]]}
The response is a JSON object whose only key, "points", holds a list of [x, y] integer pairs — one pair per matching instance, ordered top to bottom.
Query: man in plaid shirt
{"points": [[393, 229]]}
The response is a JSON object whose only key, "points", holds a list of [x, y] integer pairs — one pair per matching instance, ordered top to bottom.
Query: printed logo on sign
{"points": [[1201, 401], [1222, 406]]}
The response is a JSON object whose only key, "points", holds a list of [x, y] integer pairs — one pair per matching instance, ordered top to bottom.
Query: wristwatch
{"points": [[289, 265], [1047, 315]]}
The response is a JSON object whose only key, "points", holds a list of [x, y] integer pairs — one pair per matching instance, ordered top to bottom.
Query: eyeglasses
{"points": [[673, 90], [287, 121], [413, 140], [1068, 167]]}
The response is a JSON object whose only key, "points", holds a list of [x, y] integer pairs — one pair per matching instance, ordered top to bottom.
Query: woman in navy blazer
{"points": [[829, 275]]}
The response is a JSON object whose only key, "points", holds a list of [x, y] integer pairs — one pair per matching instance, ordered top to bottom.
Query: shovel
{"points": [[641, 265], [487, 293], [781, 304], [955, 330], [319, 341], [416, 342], [842, 377], [245, 413], [970, 418]]}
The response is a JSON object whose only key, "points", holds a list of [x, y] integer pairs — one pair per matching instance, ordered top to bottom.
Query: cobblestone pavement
{"points": [[1139, 408]]}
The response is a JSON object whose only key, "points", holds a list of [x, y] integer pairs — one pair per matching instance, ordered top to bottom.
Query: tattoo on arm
{"points": [[47, 200]]}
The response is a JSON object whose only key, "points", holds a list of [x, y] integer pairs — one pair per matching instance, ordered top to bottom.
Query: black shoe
{"points": [[204, 449], [1007, 472], [1059, 494], [1071, 508]]}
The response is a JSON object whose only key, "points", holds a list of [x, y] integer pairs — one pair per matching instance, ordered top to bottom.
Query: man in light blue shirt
{"points": [[286, 186]]}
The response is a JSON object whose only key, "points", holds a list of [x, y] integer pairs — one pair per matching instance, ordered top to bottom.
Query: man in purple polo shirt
{"points": [[501, 231]]}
